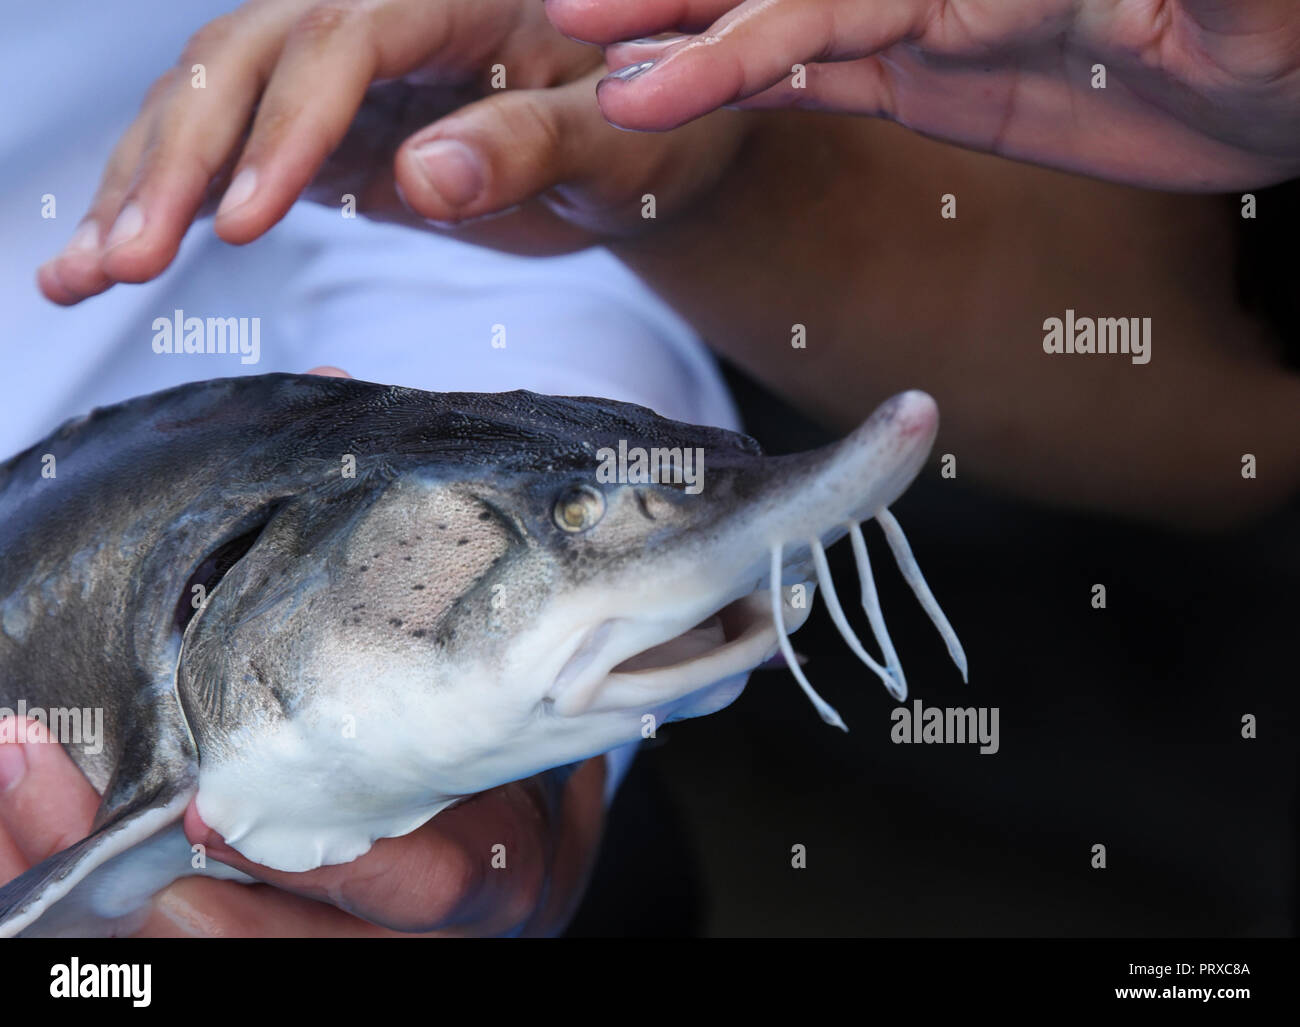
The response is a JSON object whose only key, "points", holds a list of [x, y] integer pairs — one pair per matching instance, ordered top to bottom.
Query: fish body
{"points": [[327, 609]]}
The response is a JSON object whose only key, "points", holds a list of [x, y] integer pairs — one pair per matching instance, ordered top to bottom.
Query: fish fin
{"points": [[209, 684], [114, 899], [24, 900]]}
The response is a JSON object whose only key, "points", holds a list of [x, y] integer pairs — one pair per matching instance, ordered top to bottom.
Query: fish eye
{"points": [[578, 508]]}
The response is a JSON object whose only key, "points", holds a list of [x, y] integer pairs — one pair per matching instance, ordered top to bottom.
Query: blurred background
{"points": [[1120, 727]]}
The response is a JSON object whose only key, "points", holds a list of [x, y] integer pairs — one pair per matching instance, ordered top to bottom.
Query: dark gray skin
{"points": [[97, 563]]}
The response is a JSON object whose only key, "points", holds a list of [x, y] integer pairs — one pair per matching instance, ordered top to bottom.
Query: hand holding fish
{"points": [[1188, 95], [534, 148], [479, 604], [436, 880]]}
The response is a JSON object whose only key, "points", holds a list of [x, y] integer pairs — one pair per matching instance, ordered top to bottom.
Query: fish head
{"points": [[572, 571], [662, 599]]}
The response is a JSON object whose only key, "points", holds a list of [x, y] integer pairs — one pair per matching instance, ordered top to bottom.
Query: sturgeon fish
{"points": [[327, 609]]}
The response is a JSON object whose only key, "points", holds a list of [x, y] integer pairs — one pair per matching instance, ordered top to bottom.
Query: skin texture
{"points": [[1212, 89], [437, 879]]}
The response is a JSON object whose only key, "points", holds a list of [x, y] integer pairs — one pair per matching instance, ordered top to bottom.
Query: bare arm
{"points": [[835, 224]]}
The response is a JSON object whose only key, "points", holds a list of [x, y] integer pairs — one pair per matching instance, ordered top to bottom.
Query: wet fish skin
{"points": [[388, 643]]}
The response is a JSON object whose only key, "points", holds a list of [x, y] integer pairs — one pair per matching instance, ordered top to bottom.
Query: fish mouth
{"points": [[796, 507], [736, 638]]}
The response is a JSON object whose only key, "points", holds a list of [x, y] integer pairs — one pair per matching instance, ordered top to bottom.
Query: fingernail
{"points": [[658, 40], [630, 72], [454, 170], [239, 191], [128, 225], [84, 240], [13, 764]]}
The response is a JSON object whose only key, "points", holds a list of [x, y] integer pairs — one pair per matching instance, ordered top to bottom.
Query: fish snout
{"points": [[818, 494], [812, 500], [729, 598]]}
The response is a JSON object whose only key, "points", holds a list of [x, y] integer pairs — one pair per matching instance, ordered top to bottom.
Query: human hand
{"points": [[304, 73], [1199, 94], [436, 880]]}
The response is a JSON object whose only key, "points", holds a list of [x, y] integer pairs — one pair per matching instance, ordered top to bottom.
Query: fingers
{"points": [[608, 21], [750, 48], [638, 51], [336, 52], [329, 59], [314, 61], [863, 87], [194, 130], [510, 148], [498, 152], [157, 177], [77, 271], [46, 804], [581, 824], [512, 860], [502, 862], [440, 877], [200, 907]]}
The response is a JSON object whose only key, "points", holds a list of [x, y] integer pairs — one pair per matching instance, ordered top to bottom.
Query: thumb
{"points": [[512, 147], [499, 152]]}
